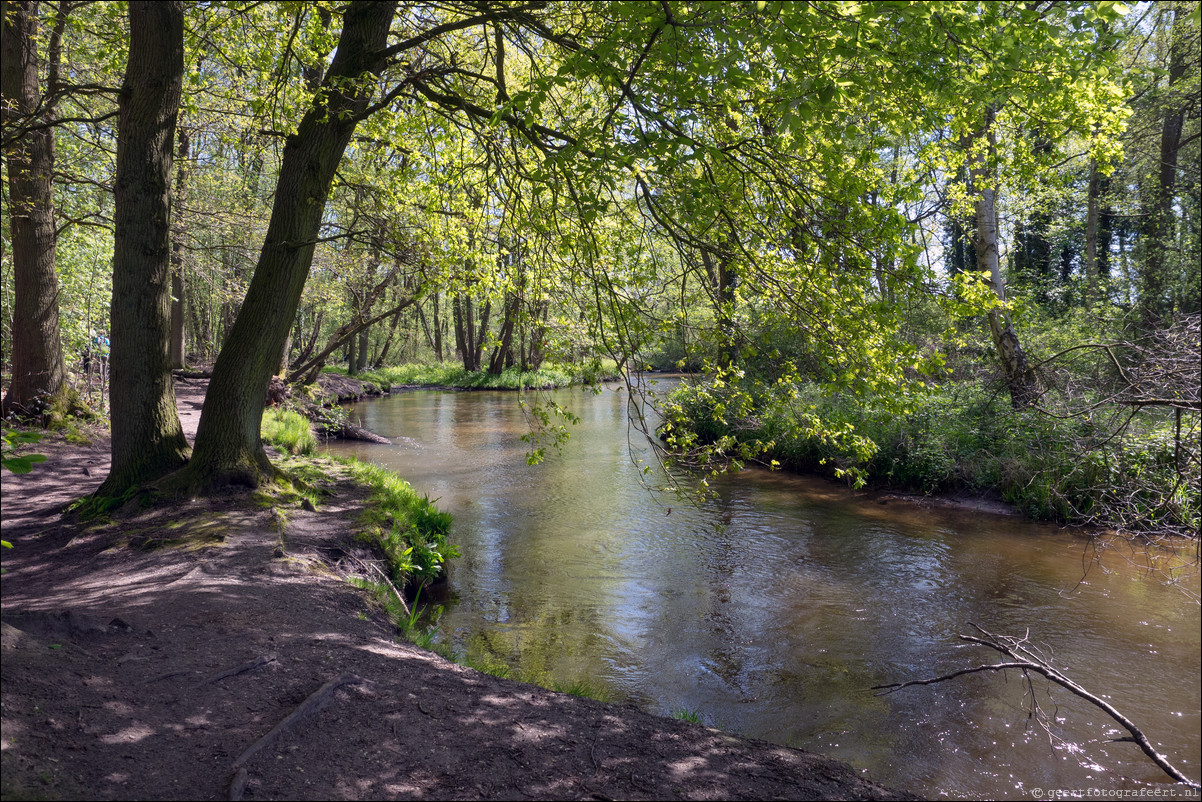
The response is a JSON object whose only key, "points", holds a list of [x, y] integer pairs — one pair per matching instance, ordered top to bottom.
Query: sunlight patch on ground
{"points": [[129, 735]]}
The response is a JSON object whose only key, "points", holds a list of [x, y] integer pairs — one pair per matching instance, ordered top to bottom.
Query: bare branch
{"points": [[1026, 658]]}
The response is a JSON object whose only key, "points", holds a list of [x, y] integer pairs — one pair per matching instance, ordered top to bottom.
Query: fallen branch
{"points": [[389, 583], [1025, 659], [315, 702]]}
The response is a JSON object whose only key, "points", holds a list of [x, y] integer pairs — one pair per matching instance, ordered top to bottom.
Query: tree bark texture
{"points": [[1092, 213], [178, 337], [38, 372], [1020, 379], [148, 440], [228, 447]]}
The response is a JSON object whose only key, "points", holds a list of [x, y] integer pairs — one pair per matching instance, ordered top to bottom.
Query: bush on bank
{"points": [[549, 375], [1111, 470]]}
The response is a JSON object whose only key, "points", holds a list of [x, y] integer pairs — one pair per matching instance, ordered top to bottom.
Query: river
{"points": [[771, 608]]}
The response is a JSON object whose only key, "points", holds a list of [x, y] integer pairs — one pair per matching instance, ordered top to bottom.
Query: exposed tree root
{"points": [[315, 702]]}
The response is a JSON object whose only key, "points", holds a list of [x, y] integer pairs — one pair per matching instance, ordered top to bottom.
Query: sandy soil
{"points": [[212, 650]]}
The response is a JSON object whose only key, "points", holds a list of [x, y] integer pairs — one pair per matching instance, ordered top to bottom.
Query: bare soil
{"points": [[212, 650]]}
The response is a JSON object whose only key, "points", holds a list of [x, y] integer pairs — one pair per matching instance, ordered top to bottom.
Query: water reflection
{"points": [[772, 608]]}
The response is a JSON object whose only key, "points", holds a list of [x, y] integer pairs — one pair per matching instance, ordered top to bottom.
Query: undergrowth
{"points": [[549, 375], [288, 431], [1117, 470], [407, 529]]}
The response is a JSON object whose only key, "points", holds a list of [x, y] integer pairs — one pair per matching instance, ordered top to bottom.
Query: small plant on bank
{"points": [[288, 431], [409, 531], [582, 688], [684, 714]]}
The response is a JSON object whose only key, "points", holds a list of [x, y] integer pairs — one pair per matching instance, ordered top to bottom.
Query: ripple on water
{"points": [[772, 607]]}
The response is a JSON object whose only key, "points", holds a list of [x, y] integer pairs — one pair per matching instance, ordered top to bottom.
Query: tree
{"points": [[599, 146], [1158, 189], [38, 371], [1020, 379], [148, 440], [228, 449]]}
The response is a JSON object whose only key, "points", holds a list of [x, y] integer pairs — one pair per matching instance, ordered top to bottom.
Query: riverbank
{"points": [[147, 657]]}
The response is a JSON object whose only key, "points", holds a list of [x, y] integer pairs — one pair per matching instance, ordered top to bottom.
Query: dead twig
{"points": [[389, 583], [1026, 658], [262, 660]]}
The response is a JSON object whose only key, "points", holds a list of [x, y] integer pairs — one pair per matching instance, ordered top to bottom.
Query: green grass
{"points": [[549, 375], [288, 431], [409, 531], [581, 688], [684, 714]]}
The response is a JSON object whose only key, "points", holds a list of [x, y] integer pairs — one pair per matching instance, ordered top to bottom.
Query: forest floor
{"points": [[211, 650]]}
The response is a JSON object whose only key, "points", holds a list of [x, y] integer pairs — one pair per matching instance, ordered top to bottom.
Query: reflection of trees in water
{"points": [[548, 646]]}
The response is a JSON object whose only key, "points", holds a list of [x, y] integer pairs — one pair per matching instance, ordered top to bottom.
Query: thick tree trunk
{"points": [[38, 373], [148, 440], [228, 447]]}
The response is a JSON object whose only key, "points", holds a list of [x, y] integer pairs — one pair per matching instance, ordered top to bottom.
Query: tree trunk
{"points": [[1158, 210], [1105, 227], [1091, 234], [437, 329], [460, 332], [538, 332], [481, 335], [310, 345], [175, 353], [361, 353], [352, 355], [501, 355], [382, 358], [471, 359], [308, 371], [38, 372], [1020, 379], [148, 440], [228, 447]]}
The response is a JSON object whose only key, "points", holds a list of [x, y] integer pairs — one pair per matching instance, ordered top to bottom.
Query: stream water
{"points": [[771, 609]]}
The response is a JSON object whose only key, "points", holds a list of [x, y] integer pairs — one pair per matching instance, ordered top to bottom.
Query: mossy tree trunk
{"points": [[38, 371], [148, 440], [228, 448]]}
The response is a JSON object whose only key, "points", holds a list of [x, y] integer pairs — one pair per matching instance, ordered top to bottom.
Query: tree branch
{"points": [[1027, 659]]}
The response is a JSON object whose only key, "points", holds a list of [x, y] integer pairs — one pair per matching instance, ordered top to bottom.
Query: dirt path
{"points": [[146, 658]]}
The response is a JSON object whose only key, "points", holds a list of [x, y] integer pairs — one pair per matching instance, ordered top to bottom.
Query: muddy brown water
{"points": [[770, 609]]}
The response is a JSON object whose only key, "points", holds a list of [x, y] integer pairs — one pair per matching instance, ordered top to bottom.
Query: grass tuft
{"points": [[288, 431]]}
